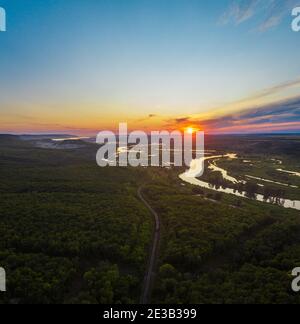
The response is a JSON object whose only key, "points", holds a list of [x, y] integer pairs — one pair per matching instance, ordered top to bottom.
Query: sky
{"points": [[81, 66]]}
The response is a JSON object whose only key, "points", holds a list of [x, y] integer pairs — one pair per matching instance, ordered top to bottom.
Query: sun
{"points": [[190, 130]]}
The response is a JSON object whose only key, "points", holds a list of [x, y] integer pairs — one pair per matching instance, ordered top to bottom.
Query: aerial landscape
{"points": [[74, 230]]}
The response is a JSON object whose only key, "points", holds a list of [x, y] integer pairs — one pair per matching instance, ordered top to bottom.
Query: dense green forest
{"points": [[71, 232], [217, 248]]}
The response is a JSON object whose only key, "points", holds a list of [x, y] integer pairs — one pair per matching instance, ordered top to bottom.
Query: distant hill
{"points": [[30, 137], [5, 138], [275, 144]]}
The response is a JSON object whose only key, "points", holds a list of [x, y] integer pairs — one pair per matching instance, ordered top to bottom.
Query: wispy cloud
{"points": [[240, 11], [267, 13], [269, 92], [279, 115], [284, 115], [150, 116], [182, 120]]}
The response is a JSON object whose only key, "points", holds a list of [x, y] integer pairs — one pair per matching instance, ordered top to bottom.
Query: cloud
{"points": [[240, 11], [266, 13], [269, 23], [268, 93], [274, 107], [284, 115], [150, 116], [182, 120]]}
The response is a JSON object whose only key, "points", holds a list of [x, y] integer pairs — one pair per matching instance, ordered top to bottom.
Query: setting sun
{"points": [[190, 130]]}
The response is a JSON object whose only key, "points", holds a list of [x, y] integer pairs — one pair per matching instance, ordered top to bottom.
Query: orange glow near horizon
{"points": [[89, 124], [191, 130]]}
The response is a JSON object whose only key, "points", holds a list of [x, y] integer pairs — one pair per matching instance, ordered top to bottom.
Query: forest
{"points": [[70, 231], [74, 233], [223, 249]]}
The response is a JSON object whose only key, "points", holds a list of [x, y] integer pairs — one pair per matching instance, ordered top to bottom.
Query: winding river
{"points": [[190, 178]]}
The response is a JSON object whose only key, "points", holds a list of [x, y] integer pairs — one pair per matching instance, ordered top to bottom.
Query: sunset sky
{"points": [[82, 66]]}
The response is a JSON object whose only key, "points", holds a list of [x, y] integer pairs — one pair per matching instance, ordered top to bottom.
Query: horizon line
{"points": [[206, 133]]}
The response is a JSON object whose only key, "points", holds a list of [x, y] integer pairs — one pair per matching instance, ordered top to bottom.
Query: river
{"points": [[189, 177]]}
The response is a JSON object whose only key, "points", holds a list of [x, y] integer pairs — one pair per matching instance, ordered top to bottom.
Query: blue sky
{"points": [[82, 65]]}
